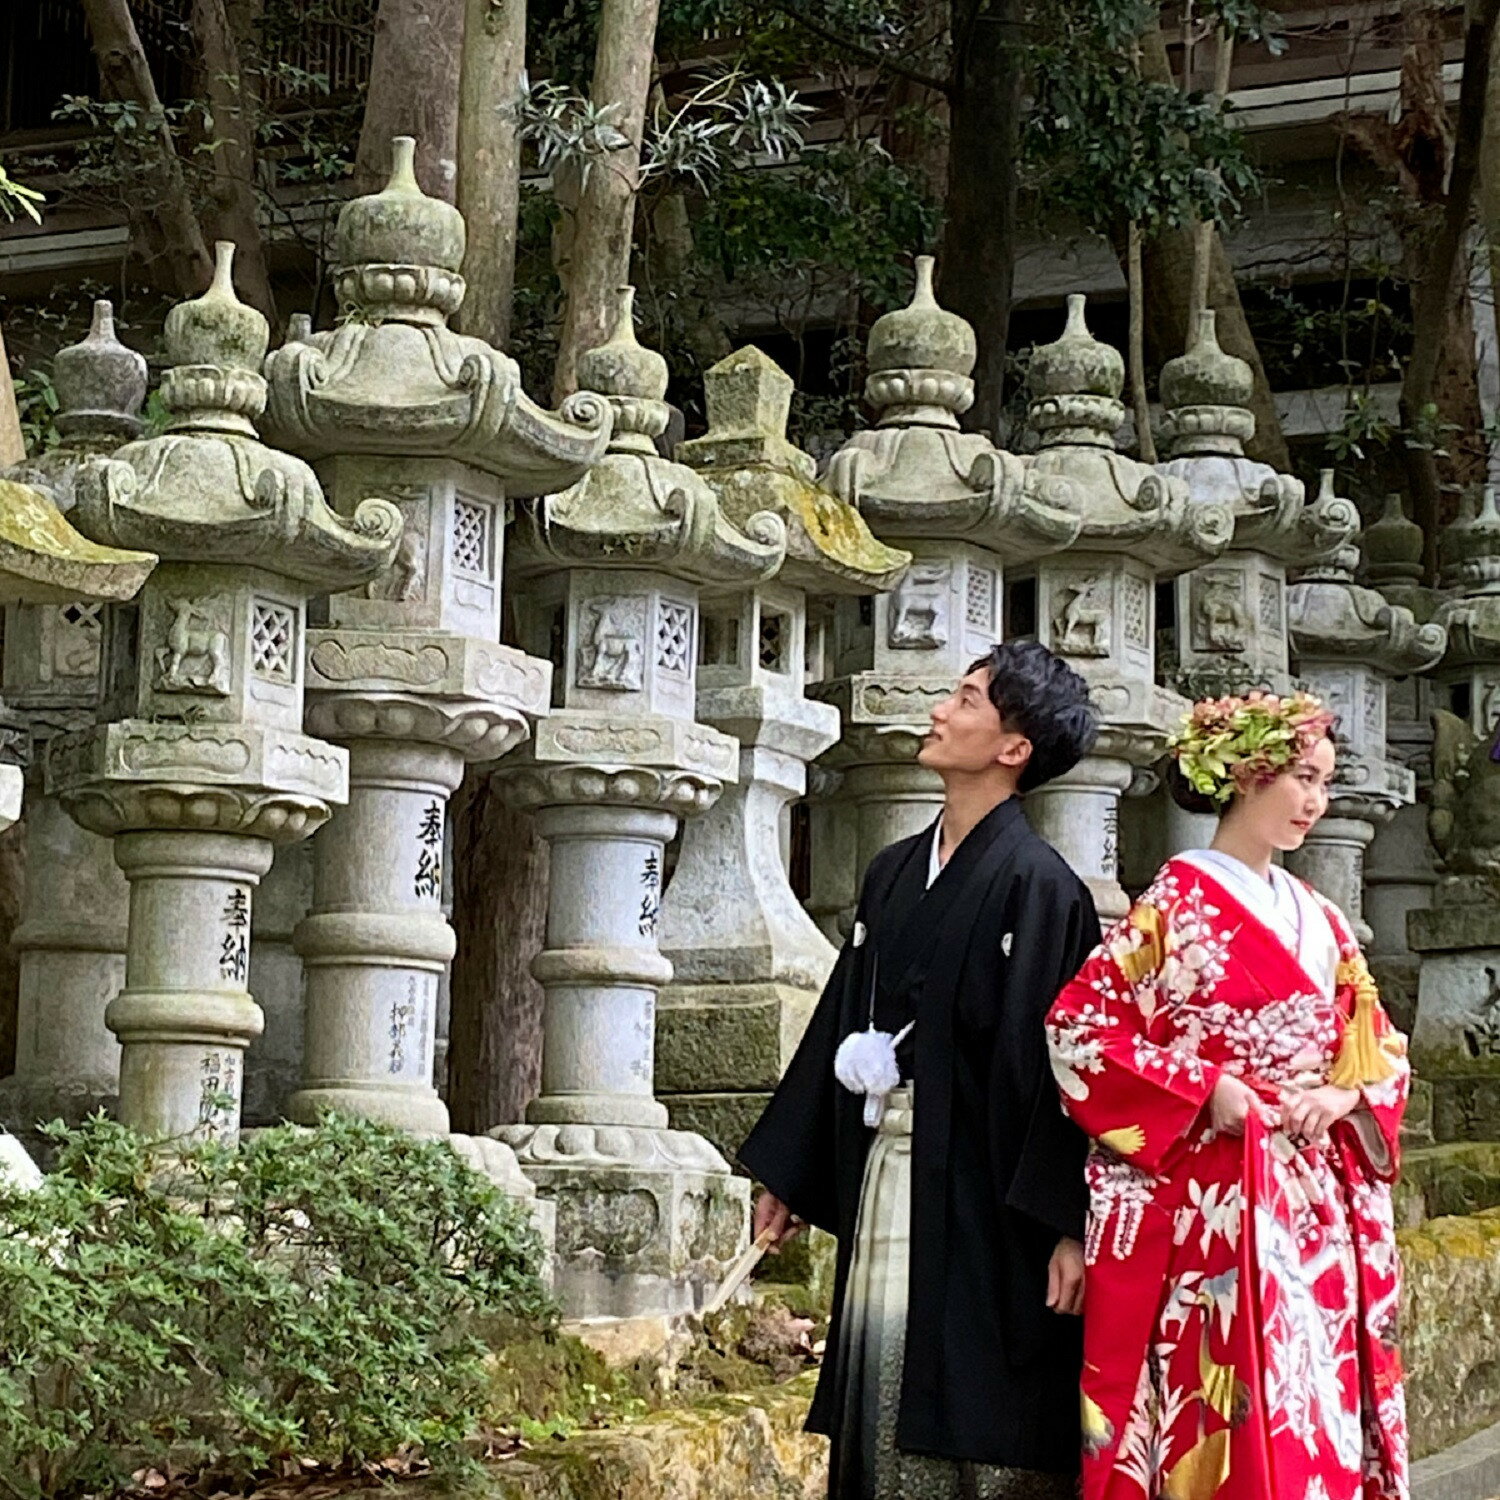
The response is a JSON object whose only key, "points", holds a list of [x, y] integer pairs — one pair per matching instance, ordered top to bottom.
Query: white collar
{"points": [[934, 862]]}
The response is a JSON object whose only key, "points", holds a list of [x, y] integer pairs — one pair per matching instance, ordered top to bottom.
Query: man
{"points": [[952, 1367]]}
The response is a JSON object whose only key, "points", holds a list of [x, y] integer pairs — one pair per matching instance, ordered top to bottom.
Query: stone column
{"points": [[967, 512], [1095, 603], [1348, 643], [410, 674], [208, 767], [834, 837], [376, 941], [70, 943], [748, 960], [185, 1016], [273, 1065], [647, 1217]]}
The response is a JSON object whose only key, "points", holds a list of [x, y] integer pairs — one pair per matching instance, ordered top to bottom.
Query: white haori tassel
{"points": [[866, 1064]]}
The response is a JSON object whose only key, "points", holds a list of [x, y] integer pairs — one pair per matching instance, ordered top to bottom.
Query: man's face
{"points": [[967, 736]]}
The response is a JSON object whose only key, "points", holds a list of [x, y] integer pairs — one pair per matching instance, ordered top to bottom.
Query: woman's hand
{"points": [[1230, 1104], [1307, 1115]]}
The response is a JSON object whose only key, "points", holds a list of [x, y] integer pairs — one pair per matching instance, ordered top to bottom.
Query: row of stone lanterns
{"points": [[694, 632]]}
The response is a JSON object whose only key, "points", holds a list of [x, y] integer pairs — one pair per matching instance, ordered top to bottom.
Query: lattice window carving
{"points": [[471, 538], [674, 638], [273, 641]]}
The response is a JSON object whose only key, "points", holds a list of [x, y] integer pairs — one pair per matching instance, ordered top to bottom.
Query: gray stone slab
{"points": [[1469, 1470]]}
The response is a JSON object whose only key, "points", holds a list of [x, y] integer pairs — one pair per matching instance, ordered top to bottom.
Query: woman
{"points": [[1226, 1051]]}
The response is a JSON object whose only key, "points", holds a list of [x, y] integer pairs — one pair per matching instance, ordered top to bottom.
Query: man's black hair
{"points": [[1039, 695]]}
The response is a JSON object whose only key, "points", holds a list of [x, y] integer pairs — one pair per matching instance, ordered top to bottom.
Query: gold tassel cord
{"points": [[1361, 1060]]}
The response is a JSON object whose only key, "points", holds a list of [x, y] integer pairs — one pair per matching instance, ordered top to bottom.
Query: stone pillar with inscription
{"points": [[967, 512], [1095, 604], [1348, 642], [409, 674], [202, 766], [70, 942], [748, 961], [647, 1216]]}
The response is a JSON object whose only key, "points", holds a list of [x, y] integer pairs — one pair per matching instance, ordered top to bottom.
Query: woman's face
{"points": [[1283, 812]]}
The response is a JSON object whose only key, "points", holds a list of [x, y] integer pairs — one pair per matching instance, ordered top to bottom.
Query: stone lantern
{"points": [[967, 512], [1095, 604], [1231, 614], [1231, 633], [1348, 643], [409, 674], [203, 766], [1400, 867], [70, 942], [748, 961], [646, 1216]]}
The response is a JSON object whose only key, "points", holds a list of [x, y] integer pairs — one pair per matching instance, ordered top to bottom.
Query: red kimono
{"points": [[1242, 1293]]}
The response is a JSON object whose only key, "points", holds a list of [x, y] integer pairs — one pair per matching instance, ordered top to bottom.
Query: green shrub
{"points": [[325, 1294]]}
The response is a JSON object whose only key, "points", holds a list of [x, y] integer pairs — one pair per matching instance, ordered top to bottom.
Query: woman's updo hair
{"points": [[1224, 742], [1186, 795]]}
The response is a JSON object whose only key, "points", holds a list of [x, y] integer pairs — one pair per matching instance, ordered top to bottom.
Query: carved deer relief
{"points": [[919, 608], [1081, 623], [611, 654], [195, 658]]}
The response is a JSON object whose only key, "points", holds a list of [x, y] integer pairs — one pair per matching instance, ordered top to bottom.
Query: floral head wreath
{"points": [[1225, 741]]}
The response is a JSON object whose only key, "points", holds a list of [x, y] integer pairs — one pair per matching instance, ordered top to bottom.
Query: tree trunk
{"points": [[414, 90], [232, 91], [489, 162], [1488, 200], [164, 222], [598, 253], [671, 257], [1168, 265], [976, 272], [1442, 321], [1140, 404], [12, 444], [499, 911]]}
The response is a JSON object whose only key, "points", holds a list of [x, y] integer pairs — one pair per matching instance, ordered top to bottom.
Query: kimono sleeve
{"points": [[1053, 931], [1372, 1058], [1121, 1077], [793, 1148]]}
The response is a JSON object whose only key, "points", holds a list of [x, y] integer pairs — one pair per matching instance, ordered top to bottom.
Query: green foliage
{"points": [[1111, 146], [16, 197], [37, 406], [323, 1295]]}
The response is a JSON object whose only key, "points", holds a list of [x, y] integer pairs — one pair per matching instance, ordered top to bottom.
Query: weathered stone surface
{"points": [[714, 1038], [1455, 1178], [1449, 1324], [730, 1448]]}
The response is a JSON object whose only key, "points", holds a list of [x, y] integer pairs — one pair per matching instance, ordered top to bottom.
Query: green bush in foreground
{"points": [[321, 1294]]}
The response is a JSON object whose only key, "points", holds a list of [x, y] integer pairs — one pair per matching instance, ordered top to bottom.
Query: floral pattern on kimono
{"points": [[1242, 1292]]}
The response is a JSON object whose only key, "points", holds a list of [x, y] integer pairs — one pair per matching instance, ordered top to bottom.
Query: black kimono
{"points": [[990, 1374]]}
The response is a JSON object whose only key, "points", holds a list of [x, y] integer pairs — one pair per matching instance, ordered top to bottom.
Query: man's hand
{"points": [[1230, 1103], [1307, 1115], [771, 1213], [1065, 1278]]}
